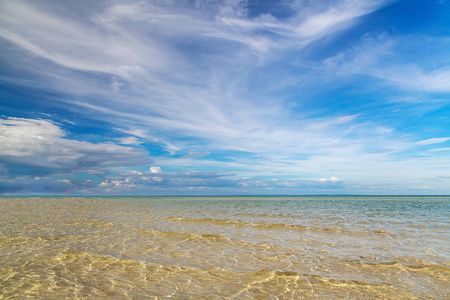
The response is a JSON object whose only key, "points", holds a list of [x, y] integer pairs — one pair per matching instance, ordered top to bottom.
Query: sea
{"points": [[307, 247]]}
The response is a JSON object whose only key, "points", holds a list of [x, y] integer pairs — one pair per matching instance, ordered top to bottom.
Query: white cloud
{"points": [[329, 20], [70, 43], [138, 45], [370, 55], [414, 78], [333, 122], [130, 140], [433, 141], [39, 147], [440, 149], [155, 169], [331, 179], [64, 180], [211, 182], [423, 187]]}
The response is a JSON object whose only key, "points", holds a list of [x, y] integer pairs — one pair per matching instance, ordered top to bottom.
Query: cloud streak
{"points": [[433, 141]]}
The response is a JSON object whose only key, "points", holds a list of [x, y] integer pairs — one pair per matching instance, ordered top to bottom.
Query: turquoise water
{"points": [[403, 226], [227, 247]]}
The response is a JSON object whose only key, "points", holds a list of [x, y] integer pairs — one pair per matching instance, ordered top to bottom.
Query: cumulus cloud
{"points": [[38, 147], [155, 169], [331, 179], [151, 182], [210, 182], [423, 187]]}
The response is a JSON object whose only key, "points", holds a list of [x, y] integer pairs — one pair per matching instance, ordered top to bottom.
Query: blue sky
{"points": [[224, 97]]}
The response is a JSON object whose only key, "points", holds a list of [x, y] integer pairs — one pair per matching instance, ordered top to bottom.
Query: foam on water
{"points": [[233, 247]]}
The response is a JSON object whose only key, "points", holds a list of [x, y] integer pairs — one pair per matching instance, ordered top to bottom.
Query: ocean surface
{"points": [[225, 248]]}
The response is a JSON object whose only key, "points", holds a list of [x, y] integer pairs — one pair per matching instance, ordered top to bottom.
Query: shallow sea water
{"points": [[225, 248]]}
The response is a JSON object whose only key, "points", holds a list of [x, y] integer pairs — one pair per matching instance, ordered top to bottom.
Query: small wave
{"points": [[265, 215], [208, 220], [272, 225], [381, 232], [183, 235], [214, 237], [403, 264], [269, 274]]}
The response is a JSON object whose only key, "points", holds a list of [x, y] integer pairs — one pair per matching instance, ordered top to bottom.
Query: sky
{"points": [[224, 97]]}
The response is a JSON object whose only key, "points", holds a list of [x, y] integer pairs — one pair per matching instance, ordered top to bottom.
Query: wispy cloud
{"points": [[369, 58], [415, 79], [216, 86], [130, 140], [433, 141], [440, 149], [195, 154]]}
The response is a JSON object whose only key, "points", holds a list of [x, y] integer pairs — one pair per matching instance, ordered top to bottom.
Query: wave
{"points": [[261, 225], [182, 235], [406, 263], [270, 273]]}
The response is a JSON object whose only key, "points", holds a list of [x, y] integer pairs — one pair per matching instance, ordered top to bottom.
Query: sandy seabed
{"points": [[90, 248]]}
